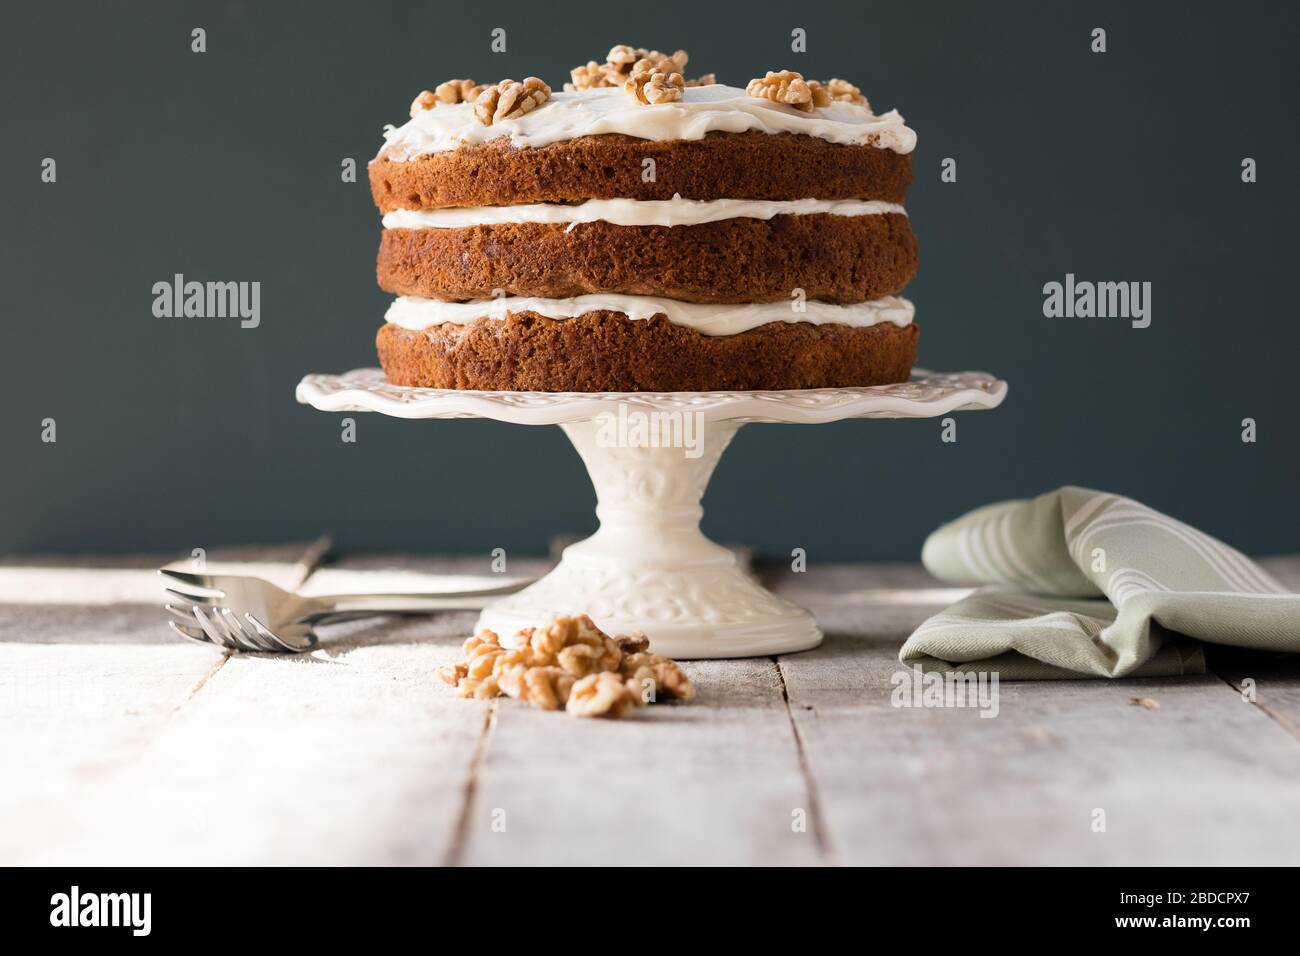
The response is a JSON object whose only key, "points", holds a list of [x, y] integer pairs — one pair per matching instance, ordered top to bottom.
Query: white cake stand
{"points": [[648, 567]]}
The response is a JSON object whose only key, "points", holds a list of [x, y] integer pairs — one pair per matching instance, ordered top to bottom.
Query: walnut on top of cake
{"points": [[649, 76]]}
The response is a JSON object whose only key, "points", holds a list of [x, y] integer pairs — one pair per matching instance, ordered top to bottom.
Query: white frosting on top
{"points": [[701, 110], [634, 212], [412, 312]]}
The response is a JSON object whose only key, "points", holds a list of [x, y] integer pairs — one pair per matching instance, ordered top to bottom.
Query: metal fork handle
{"points": [[416, 601], [330, 605]]}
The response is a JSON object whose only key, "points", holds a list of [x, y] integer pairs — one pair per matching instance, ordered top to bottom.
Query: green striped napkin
{"points": [[1081, 583]]}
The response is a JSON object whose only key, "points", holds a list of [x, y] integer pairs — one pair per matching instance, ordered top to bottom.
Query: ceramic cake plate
{"points": [[648, 567]]}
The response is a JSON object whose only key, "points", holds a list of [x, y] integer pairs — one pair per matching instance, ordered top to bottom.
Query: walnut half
{"points": [[651, 87], [790, 88], [842, 91], [427, 100], [510, 100], [666, 677], [546, 688], [601, 695]]}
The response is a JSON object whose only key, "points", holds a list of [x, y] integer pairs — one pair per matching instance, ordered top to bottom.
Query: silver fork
{"points": [[249, 614]]}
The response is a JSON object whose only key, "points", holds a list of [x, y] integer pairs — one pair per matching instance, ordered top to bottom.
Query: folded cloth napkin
{"points": [[1081, 583]]}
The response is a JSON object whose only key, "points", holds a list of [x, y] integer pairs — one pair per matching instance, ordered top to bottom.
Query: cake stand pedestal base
{"points": [[648, 568]]}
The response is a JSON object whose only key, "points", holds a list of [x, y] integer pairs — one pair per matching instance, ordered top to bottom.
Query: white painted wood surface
{"points": [[121, 744]]}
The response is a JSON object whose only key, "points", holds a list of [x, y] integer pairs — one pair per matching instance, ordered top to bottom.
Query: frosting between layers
{"points": [[701, 110], [635, 212], [413, 312]]}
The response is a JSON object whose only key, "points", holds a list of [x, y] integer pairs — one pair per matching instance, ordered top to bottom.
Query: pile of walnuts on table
{"points": [[568, 663]]}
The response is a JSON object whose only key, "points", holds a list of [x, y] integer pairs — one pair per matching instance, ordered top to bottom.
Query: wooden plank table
{"points": [[120, 744]]}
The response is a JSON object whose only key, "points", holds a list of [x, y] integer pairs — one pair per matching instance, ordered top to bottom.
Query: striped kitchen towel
{"points": [[1081, 583]]}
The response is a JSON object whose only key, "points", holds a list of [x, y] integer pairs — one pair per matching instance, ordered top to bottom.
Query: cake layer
{"points": [[701, 110], [750, 165], [835, 259], [412, 312], [606, 351]]}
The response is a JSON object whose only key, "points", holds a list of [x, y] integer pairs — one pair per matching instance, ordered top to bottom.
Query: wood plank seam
{"points": [[203, 681], [1276, 717], [460, 837], [821, 837]]}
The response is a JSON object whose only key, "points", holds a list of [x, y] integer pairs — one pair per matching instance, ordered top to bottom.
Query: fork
{"points": [[246, 613]]}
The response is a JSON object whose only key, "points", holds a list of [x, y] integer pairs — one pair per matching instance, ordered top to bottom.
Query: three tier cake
{"points": [[641, 232]]}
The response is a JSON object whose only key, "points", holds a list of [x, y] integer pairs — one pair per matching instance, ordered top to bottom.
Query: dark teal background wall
{"points": [[174, 434]]}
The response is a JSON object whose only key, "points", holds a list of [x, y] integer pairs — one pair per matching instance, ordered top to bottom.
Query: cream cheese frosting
{"points": [[701, 110], [634, 212], [412, 312]]}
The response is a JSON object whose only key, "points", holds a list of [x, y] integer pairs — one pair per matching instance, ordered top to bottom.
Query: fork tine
{"points": [[188, 577], [193, 593], [191, 598], [186, 600], [181, 612], [224, 619], [189, 633], [216, 633], [242, 633], [268, 636], [309, 636], [298, 637]]}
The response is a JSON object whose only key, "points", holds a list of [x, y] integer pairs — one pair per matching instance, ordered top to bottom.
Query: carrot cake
{"points": [[642, 232]]}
